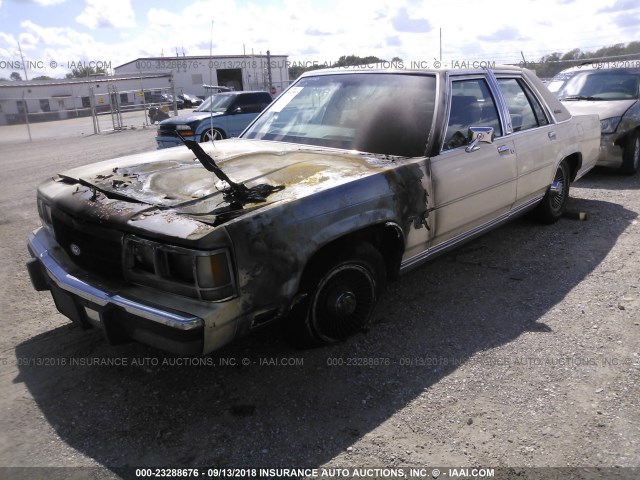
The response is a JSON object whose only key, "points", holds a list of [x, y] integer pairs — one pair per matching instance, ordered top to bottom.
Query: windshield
{"points": [[559, 80], [554, 85], [600, 85], [216, 103], [378, 113]]}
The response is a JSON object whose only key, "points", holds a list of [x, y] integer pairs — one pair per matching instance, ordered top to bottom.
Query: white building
{"points": [[191, 74], [136, 83], [45, 100]]}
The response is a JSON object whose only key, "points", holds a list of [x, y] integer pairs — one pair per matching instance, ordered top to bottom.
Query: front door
{"points": [[473, 187]]}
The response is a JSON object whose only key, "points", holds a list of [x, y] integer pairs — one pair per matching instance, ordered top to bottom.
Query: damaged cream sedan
{"points": [[348, 179]]}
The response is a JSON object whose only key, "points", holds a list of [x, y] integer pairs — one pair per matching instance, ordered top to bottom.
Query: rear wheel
{"points": [[212, 133], [631, 154], [554, 202], [341, 293]]}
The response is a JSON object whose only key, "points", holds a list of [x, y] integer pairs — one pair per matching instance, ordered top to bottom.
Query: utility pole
{"points": [[24, 66], [269, 70], [26, 114]]}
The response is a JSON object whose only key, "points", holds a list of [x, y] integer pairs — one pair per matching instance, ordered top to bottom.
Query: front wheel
{"points": [[211, 134], [631, 154], [554, 202], [341, 293]]}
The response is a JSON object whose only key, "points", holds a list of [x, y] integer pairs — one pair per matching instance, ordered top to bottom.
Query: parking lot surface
{"points": [[519, 349]]}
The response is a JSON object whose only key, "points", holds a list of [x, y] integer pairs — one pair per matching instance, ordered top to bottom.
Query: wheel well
{"points": [[622, 139], [574, 161], [388, 239]]}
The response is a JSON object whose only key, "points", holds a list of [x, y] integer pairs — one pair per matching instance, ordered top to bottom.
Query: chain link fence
{"points": [[103, 108], [84, 115]]}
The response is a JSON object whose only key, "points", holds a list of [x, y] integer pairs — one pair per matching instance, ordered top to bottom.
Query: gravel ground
{"points": [[520, 349]]}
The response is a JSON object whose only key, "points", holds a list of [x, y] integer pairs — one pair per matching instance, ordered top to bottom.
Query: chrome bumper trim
{"points": [[82, 289]]}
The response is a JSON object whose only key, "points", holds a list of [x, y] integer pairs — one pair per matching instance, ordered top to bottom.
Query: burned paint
{"points": [[411, 196], [278, 242]]}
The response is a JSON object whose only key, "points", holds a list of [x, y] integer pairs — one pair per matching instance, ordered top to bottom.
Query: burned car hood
{"points": [[604, 108], [175, 179]]}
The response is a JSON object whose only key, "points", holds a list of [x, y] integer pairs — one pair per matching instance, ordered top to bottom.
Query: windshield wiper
{"points": [[581, 97], [238, 194]]}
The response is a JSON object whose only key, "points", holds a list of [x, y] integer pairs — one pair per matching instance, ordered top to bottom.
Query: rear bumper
{"points": [[92, 305]]}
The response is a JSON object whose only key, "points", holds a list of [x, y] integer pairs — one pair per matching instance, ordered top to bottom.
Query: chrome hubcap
{"points": [[215, 135], [558, 190], [344, 304]]}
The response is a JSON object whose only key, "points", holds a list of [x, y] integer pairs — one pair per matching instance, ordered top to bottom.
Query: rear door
{"points": [[535, 138]]}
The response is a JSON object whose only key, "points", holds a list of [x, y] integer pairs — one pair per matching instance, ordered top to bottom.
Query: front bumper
{"points": [[166, 141], [610, 151], [94, 304]]}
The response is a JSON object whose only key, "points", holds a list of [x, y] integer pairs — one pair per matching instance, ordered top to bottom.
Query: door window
{"points": [[249, 103], [471, 105], [524, 108]]}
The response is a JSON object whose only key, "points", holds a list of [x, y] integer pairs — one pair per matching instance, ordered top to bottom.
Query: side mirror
{"points": [[237, 110], [479, 134]]}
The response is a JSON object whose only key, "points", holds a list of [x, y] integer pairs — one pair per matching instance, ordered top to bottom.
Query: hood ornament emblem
{"points": [[75, 249]]}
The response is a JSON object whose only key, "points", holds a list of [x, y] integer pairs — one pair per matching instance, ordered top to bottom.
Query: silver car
{"points": [[614, 95]]}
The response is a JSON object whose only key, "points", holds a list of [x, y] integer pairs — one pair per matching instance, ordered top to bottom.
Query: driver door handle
{"points": [[504, 150]]}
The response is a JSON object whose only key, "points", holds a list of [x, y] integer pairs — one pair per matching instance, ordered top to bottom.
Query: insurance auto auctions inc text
{"points": [[385, 473]]}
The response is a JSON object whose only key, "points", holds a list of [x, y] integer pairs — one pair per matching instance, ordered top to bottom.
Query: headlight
{"points": [[609, 125], [185, 130], [44, 211], [204, 275]]}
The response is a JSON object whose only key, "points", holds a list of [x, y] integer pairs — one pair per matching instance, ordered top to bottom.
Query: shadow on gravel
{"points": [[601, 178], [239, 408]]}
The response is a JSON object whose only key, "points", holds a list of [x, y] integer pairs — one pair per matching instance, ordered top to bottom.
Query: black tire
{"points": [[212, 132], [631, 154], [554, 202], [341, 293]]}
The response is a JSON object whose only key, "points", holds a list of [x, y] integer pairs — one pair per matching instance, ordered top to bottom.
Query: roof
{"points": [[196, 57], [595, 67], [375, 68], [83, 80], [238, 92]]}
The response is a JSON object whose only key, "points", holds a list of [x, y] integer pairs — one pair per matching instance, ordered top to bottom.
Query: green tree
{"points": [[575, 54], [353, 60], [343, 61], [551, 64], [85, 72], [15, 76], [43, 77]]}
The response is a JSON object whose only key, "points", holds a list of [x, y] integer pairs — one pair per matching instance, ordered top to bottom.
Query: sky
{"points": [[55, 35]]}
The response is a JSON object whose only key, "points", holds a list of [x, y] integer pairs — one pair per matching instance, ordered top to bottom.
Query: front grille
{"points": [[167, 131], [91, 247]]}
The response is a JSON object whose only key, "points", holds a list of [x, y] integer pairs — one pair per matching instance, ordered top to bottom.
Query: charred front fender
{"points": [[273, 247]]}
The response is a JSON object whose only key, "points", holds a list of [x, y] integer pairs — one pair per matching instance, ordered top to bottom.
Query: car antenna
{"points": [[211, 83], [238, 193]]}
